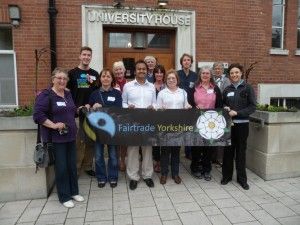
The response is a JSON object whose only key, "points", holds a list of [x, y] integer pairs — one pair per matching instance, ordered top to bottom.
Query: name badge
{"points": [[93, 77], [191, 85], [210, 91], [230, 94], [111, 99], [60, 103]]}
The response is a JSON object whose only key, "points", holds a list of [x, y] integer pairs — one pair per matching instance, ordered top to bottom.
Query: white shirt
{"points": [[140, 95], [168, 99]]}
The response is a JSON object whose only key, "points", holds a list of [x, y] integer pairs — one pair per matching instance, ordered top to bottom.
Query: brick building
{"points": [[217, 30]]}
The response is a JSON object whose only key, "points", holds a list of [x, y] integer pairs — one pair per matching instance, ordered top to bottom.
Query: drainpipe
{"points": [[52, 25]]}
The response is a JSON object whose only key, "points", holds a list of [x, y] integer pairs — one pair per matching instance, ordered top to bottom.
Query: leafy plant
{"points": [[272, 108], [26, 110]]}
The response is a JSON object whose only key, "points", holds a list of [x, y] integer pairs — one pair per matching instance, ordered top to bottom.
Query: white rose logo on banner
{"points": [[211, 125]]}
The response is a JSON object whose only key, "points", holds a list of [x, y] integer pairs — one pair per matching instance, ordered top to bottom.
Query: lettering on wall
{"points": [[139, 18]]}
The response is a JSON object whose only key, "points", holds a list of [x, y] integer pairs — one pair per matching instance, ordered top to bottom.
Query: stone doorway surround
{"points": [[94, 17]]}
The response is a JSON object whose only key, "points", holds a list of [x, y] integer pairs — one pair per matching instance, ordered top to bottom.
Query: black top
{"points": [[187, 82], [81, 84], [112, 97], [241, 99]]}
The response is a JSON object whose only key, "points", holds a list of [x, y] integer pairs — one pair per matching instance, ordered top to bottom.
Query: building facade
{"points": [[266, 32]]}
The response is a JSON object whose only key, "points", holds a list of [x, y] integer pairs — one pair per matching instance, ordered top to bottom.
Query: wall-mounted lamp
{"points": [[118, 3], [162, 3], [14, 15]]}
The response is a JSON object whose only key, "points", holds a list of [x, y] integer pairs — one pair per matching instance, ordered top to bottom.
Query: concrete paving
{"points": [[195, 201]]}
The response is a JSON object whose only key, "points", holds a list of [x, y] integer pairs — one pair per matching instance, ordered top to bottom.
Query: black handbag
{"points": [[44, 154]]}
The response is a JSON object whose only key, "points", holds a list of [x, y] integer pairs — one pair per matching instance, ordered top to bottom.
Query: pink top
{"points": [[205, 98]]}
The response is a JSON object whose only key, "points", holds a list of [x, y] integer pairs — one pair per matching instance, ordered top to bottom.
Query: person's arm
{"points": [[125, 96], [251, 99], [159, 101], [118, 102], [219, 102], [41, 111]]}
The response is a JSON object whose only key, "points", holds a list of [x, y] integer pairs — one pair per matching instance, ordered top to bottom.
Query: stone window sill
{"points": [[275, 51]]}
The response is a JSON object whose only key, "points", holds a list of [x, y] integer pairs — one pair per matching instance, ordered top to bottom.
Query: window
{"points": [[278, 23], [119, 40], [8, 84]]}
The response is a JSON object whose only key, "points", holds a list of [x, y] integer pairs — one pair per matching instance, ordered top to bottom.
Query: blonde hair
{"points": [[149, 57], [119, 64]]}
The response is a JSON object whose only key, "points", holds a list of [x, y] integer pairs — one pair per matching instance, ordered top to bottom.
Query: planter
{"points": [[274, 144], [17, 171]]}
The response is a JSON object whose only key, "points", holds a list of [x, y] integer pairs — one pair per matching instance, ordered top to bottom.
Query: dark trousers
{"points": [[239, 135], [166, 151], [156, 153], [202, 153], [65, 170]]}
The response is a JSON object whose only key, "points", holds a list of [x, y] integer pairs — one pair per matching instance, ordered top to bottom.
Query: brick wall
{"points": [[226, 30]]}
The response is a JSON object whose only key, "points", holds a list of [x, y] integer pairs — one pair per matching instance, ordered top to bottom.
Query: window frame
{"points": [[298, 28], [13, 53]]}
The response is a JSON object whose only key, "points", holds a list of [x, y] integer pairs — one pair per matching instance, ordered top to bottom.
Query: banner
{"points": [[168, 127]]}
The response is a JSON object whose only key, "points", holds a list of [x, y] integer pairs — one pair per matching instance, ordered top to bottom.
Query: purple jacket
{"points": [[63, 110]]}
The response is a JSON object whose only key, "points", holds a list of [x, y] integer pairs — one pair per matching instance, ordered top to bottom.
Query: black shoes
{"points": [[91, 173], [207, 176], [225, 181], [149, 182], [101, 184], [113, 184], [133, 184], [244, 185]]}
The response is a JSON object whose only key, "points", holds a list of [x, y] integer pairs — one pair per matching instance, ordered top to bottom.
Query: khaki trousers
{"points": [[133, 162]]}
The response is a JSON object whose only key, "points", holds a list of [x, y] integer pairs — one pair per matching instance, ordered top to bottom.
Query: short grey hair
{"points": [[149, 57], [119, 64], [218, 64]]}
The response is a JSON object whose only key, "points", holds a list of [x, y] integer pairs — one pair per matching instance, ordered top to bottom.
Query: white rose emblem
{"points": [[211, 125]]}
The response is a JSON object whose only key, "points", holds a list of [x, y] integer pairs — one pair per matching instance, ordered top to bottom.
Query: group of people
{"points": [[153, 88]]}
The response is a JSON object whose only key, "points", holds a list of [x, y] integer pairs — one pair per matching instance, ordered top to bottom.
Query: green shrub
{"points": [[272, 108], [26, 110]]}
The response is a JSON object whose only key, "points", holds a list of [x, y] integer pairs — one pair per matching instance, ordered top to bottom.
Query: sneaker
{"points": [[101, 184], [113, 184], [78, 198], [69, 204]]}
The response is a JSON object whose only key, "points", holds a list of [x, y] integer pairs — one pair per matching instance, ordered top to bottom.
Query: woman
{"points": [[151, 64], [119, 73], [159, 75], [207, 95], [106, 96], [172, 97], [239, 101], [59, 125]]}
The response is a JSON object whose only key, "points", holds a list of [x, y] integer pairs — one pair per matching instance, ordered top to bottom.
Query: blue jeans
{"points": [[166, 152], [112, 167], [65, 170]]}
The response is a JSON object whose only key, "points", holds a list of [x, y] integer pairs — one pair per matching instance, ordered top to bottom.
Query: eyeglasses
{"points": [[62, 78]]}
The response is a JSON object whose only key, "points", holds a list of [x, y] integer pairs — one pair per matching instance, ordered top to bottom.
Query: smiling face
{"points": [[85, 58], [186, 62], [151, 63], [218, 70], [119, 72], [140, 72], [235, 75], [159, 76], [205, 76], [106, 79], [60, 80], [172, 81]]}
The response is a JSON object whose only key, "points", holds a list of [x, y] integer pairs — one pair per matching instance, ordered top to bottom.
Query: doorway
{"points": [[132, 44]]}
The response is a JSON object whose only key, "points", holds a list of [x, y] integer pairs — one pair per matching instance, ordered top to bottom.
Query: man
{"points": [[151, 63], [222, 81], [187, 82], [81, 84], [139, 93]]}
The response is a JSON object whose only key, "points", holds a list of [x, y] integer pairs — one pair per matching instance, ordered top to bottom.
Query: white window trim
{"points": [[272, 50], [12, 52]]}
